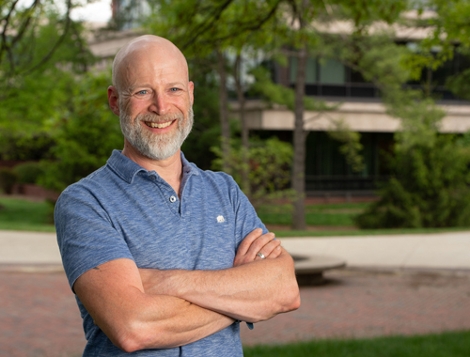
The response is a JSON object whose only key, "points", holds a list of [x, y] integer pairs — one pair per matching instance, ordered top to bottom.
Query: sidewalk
{"points": [[429, 251]]}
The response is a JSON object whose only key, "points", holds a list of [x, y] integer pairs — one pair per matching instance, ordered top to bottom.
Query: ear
{"points": [[191, 91], [113, 99]]}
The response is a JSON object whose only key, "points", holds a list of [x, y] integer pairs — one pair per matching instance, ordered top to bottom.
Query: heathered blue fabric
{"points": [[125, 211]]}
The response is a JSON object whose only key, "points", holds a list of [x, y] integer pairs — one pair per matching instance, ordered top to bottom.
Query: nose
{"points": [[159, 105]]}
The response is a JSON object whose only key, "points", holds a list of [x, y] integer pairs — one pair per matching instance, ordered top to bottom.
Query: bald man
{"points": [[165, 259]]}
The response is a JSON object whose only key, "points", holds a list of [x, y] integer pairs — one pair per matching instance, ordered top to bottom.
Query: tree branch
{"points": [[243, 27], [57, 44]]}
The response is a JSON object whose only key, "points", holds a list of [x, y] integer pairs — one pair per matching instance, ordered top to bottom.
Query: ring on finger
{"points": [[261, 255]]}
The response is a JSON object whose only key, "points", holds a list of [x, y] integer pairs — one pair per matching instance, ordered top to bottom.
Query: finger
{"points": [[248, 240], [258, 244], [270, 249], [275, 253], [240, 256]]}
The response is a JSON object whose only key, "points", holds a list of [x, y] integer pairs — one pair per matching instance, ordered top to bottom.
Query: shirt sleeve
{"points": [[246, 217], [85, 234]]}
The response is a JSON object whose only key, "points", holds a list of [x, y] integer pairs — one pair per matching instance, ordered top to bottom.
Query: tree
{"points": [[31, 34], [41, 53], [85, 135], [430, 185]]}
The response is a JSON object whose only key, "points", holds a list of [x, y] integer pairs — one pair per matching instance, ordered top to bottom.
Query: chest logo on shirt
{"points": [[220, 219]]}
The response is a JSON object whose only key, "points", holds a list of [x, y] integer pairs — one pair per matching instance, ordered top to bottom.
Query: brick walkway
{"points": [[39, 318]]}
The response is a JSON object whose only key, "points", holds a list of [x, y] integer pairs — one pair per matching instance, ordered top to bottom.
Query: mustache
{"points": [[154, 118]]}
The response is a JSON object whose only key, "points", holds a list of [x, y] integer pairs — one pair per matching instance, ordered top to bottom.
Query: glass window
{"points": [[311, 70], [332, 72]]}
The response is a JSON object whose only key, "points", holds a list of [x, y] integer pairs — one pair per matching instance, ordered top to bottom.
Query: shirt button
{"points": [[172, 199]]}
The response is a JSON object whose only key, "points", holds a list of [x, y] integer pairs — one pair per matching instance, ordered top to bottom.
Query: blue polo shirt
{"points": [[125, 211]]}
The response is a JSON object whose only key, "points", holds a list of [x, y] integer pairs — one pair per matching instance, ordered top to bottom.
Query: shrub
{"points": [[268, 164], [28, 173], [8, 179], [431, 188]]}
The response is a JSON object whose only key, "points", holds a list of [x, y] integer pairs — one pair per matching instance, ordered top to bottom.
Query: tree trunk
{"points": [[223, 107], [244, 128], [298, 170]]}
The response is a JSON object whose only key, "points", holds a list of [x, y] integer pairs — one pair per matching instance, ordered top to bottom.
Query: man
{"points": [[164, 258]]}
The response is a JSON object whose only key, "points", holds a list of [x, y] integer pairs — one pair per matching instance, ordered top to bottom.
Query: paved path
{"points": [[429, 251], [433, 251], [39, 317]]}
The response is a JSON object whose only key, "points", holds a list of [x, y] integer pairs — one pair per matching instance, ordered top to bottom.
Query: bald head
{"points": [[142, 51]]}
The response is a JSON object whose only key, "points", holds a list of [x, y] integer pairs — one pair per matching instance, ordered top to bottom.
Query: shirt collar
{"points": [[127, 169]]}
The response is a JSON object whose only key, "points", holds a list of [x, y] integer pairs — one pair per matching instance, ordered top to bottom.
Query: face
{"points": [[154, 103], [153, 145]]}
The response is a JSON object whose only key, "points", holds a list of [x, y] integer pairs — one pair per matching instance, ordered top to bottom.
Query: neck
{"points": [[170, 169]]}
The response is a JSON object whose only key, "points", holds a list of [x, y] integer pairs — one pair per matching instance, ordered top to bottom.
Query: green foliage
{"points": [[365, 12], [198, 27], [37, 35], [41, 54], [460, 84], [276, 94], [420, 119], [206, 128], [85, 136], [16, 146], [351, 146], [268, 164], [28, 172], [8, 179], [430, 187]]}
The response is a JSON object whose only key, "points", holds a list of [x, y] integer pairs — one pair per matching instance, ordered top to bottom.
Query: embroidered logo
{"points": [[220, 219]]}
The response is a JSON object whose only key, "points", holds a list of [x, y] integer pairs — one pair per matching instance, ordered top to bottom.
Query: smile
{"points": [[158, 125]]}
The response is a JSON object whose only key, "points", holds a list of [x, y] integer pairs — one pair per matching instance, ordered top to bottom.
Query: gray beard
{"points": [[155, 147]]}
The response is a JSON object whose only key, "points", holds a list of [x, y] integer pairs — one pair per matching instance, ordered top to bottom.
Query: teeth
{"points": [[159, 125]]}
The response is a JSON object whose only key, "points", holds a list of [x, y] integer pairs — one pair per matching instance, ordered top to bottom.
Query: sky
{"points": [[98, 11]]}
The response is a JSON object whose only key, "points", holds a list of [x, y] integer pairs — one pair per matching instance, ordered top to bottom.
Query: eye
{"points": [[174, 89], [142, 92]]}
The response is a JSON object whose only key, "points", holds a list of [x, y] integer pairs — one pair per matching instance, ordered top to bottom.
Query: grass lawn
{"points": [[25, 215], [330, 215], [322, 219], [333, 219], [449, 344]]}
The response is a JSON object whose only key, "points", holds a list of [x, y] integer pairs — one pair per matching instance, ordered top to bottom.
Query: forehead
{"points": [[154, 65]]}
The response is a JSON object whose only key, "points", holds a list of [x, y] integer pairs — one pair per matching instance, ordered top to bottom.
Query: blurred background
{"points": [[301, 101], [338, 118]]}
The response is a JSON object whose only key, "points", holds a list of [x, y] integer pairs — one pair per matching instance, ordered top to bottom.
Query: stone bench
{"points": [[309, 269]]}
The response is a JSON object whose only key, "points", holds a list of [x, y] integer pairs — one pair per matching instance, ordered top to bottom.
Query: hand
{"points": [[257, 242]]}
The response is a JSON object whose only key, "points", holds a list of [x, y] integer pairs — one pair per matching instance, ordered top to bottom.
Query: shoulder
{"points": [[217, 176], [87, 185]]}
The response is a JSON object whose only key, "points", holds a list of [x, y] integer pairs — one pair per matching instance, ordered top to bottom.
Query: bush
{"points": [[84, 138], [268, 164], [28, 173], [8, 179], [430, 189]]}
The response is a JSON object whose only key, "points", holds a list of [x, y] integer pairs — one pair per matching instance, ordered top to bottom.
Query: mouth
{"points": [[154, 125]]}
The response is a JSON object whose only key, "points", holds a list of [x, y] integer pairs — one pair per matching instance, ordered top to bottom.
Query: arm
{"points": [[253, 290], [115, 298]]}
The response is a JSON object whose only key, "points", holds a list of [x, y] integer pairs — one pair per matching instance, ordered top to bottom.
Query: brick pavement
{"points": [[39, 318]]}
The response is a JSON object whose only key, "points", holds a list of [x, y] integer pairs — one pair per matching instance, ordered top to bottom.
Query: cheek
{"points": [[132, 109]]}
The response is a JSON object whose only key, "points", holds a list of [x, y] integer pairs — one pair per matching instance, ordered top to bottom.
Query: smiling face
{"points": [[153, 97]]}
